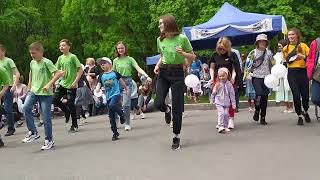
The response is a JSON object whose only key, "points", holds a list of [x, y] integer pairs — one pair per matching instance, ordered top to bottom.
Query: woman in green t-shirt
{"points": [[175, 50], [124, 64]]}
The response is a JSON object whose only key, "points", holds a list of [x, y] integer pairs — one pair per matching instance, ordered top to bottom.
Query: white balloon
{"points": [[279, 70], [191, 81], [271, 81]]}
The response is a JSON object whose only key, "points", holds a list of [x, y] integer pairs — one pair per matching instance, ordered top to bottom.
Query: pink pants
{"points": [[223, 116]]}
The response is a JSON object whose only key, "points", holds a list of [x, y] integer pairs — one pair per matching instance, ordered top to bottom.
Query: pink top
{"points": [[311, 59], [20, 92]]}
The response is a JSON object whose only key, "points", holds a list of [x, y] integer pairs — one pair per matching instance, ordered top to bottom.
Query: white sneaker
{"points": [[250, 109], [285, 111], [290, 111], [142, 115], [133, 116], [82, 121], [171, 124], [231, 124], [217, 126], [127, 127], [221, 130], [227, 130], [30, 137], [47, 145]]}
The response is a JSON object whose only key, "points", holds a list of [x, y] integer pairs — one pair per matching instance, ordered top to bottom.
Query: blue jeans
{"points": [[315, 89], [126, 103], [45, 106], [114, 107], [8, 108]]}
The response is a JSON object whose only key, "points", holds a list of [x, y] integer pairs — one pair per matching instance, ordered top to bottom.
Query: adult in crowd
{"points": [[295, 56], [224, 57], [261, 58], [313, 70], [91, 71], [283, 92], [19, 96]]}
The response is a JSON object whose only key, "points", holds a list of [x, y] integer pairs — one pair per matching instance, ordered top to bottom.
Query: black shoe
{"points": [[67, 114], [168, 116], [256, 116], [306, 117], [122, 119], [263, 121], [300, 121], [19, 124], [40, 124], [73, 129], [10, 133], [115, 137], [1, 143], [175, 143]]}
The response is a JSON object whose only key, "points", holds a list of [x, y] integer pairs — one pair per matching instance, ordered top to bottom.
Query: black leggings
{"points": [[174, 78], [299, 84], [262, 92], [71, 107]]}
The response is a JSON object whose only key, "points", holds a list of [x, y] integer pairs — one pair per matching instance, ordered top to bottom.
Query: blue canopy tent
{"points": [[241, 27], [152, 60]]}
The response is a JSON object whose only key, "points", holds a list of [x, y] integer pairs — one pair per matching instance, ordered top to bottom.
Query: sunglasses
{"points": [[221, 49]]}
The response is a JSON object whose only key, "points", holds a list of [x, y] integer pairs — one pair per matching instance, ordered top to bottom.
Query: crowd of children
{"points": [[76, 89]]}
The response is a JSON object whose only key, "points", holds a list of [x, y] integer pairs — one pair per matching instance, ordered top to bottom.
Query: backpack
{"points": [[316, 69]]}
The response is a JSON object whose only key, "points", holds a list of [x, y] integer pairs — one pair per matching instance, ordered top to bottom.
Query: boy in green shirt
{"points": [[71, 66], [11, 70], [4, 84], [40, 90]]}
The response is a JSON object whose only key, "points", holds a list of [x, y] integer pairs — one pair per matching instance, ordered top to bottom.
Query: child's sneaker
{"points": [[290, 111], [142, 115], [132, 116], [231, 123], [40, 124], [127, 127], [73, 129], [221, 130], [227, 130], [31, 137], [115, 137], [47, 145]]}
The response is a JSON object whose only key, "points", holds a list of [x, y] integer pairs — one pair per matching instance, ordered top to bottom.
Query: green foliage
{"points": [[95, 26]]}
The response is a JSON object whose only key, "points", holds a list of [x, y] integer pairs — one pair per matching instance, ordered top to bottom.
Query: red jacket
{"points": [[311, 60]]}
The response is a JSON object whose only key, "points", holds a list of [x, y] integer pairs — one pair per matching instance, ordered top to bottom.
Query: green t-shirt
{"points": [[167, 48], [8, 65], [70, 65], [124, 65], [41, 74], [4, 78]]}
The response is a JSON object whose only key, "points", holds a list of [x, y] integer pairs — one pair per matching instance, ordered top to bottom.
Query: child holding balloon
{"points": [[223, 96]]}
